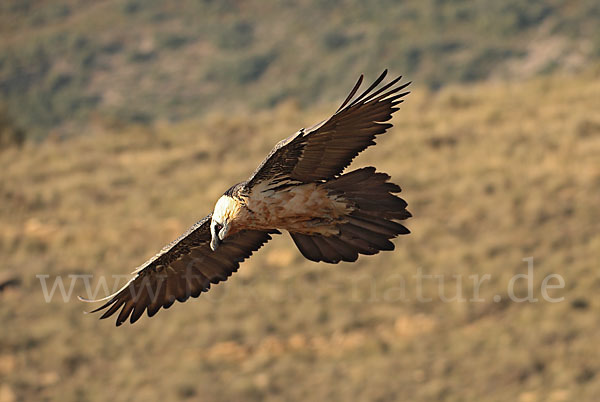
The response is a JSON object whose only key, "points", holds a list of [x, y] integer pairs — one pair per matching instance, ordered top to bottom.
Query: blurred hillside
{"points": [[69, 64], [493, 173]]}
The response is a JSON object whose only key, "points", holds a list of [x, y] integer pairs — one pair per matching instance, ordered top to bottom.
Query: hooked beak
{"points": [[218, 232], [214, 243]]}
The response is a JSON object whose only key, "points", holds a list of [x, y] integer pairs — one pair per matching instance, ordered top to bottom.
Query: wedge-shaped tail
{"points": [[368, 228]]}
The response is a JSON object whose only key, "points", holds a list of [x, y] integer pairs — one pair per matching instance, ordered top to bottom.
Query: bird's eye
{"points": [[218, 227]]}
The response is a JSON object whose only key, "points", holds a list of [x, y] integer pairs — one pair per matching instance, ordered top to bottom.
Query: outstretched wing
{"points": [[324, 150], [184, 268]]}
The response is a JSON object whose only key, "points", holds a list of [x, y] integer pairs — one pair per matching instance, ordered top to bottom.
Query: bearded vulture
{"points": [[300, 187]]}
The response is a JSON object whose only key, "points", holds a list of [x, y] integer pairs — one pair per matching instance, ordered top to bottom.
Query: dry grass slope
{"points": [[492, 174]]}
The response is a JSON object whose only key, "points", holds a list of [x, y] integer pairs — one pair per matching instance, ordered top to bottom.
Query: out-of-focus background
{"points": [[121, 122]]}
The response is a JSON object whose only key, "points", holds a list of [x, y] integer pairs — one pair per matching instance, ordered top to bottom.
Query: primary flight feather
{"points": [[300, 188]]}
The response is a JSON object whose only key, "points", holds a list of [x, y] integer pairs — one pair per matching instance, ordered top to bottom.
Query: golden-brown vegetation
{"points": [[493, 173]]}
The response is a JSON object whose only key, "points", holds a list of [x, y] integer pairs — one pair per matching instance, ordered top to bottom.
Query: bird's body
{"points": [[301, 188], [305, 208]]}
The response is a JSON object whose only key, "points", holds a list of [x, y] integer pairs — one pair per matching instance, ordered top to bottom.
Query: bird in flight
{"points": [[300, 187]]}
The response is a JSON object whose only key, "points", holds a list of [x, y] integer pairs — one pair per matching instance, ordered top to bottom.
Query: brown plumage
{"points": [[300, 188]]}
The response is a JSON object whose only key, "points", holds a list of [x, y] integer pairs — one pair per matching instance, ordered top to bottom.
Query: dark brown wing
{"points": [[324, 150], [184, 268]]}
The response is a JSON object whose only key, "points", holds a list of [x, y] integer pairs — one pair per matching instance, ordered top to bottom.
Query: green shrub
{"points": [[238, 35], [336, 39], [171, 41], [253, 67], [10, 133]]}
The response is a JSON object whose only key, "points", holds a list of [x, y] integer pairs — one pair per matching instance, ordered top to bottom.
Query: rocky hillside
{"points": [[66, 65]]}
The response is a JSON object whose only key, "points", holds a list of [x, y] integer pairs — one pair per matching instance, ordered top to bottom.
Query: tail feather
{"points": [[362, 218], [376, 225], [368, 228], [377, 240], [307, 246], [345, 250], [328, 251]]}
